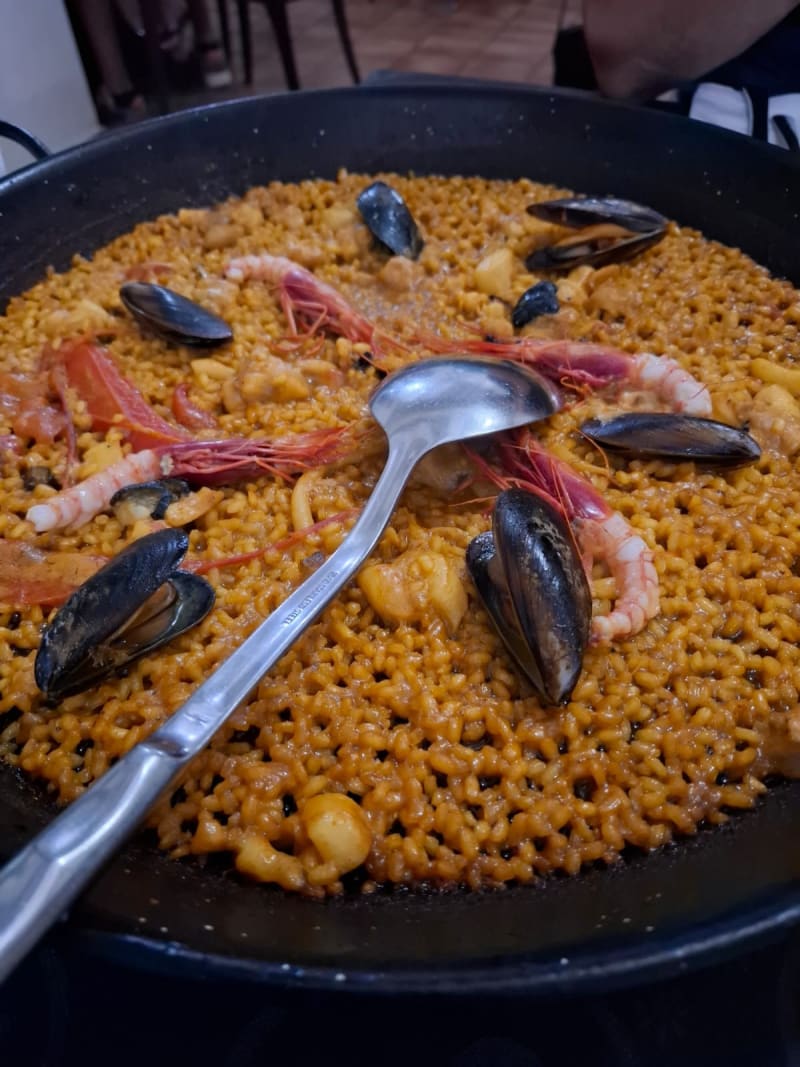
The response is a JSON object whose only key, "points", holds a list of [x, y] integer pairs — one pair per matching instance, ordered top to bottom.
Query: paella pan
{"points": [[345, 928]]}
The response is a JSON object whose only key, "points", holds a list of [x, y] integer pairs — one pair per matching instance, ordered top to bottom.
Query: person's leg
{"points": [[198, 13], [97, 17], [98, 21], [216, 71]]}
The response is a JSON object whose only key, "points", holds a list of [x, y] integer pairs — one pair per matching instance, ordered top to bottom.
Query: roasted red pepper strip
{"points": [[147, 272], [58, 378], [112, 400], [25, 404], [189, 414], [43, 422], [30, 575]]}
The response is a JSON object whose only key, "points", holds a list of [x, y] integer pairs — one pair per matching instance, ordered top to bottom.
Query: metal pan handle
{"points": [[38, 149]]}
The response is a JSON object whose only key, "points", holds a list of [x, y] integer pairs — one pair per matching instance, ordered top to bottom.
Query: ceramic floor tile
{"points": [[507, 40], [509, 49], [430, 63], [496, 69], [542, 72]]}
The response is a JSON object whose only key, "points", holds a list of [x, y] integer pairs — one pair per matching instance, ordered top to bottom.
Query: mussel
{"points": [[389, 220], [609, 230], [540, 299], [173, 317], [674, 437], [37, 474], [147, 500], [531, 580], [132, 605]]}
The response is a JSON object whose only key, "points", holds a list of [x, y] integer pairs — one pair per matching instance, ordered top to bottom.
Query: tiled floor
{"points": [[509, 40]]}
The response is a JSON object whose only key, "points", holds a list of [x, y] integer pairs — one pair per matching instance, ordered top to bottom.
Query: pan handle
{"points": [[38, 149]]}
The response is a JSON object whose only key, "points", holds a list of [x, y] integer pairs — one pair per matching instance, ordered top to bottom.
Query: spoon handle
{"points": [[45, 877]]}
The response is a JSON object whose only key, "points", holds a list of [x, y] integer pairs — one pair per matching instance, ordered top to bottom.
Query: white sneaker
{"points": [[216, 72]]}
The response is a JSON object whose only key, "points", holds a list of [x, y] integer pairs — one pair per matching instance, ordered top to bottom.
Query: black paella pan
{"points": [[692, 902]]}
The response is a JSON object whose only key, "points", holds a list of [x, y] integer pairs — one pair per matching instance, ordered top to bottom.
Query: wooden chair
{"points": [[276, 9]]}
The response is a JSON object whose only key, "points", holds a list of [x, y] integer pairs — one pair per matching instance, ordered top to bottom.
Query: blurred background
{"points": [[70, 69]]}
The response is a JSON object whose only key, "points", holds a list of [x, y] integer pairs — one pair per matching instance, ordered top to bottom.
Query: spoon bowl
{"points": [[437, 401], [426, 404]]}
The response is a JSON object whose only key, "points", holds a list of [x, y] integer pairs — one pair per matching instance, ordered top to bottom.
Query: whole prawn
{"points": [[302, 293], [583, 365], [204, 462], [81, 502]]}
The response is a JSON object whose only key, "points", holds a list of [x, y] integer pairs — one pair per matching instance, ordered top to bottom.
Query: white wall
{"points": [[42, 84]]}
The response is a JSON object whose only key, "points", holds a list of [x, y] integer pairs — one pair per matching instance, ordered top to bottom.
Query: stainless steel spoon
{"points": [[419, 407]]}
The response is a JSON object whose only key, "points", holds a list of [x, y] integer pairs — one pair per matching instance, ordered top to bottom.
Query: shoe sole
{"points": [[218, 79]]}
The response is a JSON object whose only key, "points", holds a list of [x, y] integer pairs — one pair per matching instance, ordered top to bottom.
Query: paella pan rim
{"points": [[427, 92], [709, 896], [616, 967]]}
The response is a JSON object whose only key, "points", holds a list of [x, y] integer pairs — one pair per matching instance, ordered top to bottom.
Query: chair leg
{"points": [[276, 9], [340, 15], [224, 27], [247, 39]]}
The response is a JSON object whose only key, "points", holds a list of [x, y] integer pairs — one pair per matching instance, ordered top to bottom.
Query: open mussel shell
{"points": [[389, 220], [613, 230], [594, 251], [173, 317], [673, 437], [530, 577], [180, 603], [134, 604]]}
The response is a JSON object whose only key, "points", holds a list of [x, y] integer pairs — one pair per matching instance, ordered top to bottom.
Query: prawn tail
{"points": [[672, 384], [80, 503], [630, 563]]}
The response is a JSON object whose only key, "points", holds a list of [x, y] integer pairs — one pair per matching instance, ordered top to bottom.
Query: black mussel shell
{"points": [[577, 212], [389, 220], [645, 226], [540, 299], [173, 317], [678, 438], [39, 475], [152, 498], [487, 574], [532, 582], [135, 603]]}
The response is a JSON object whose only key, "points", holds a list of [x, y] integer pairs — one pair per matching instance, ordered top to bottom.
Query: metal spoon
{"points": [[419, 407]]}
